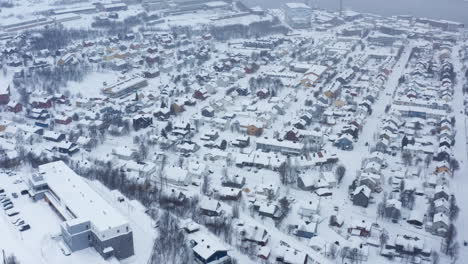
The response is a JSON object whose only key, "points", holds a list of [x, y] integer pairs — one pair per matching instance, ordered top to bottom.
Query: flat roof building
{"points": [[297, 15], [88, 220]]}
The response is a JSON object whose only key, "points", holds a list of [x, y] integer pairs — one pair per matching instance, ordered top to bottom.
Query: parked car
{"points": [[15, 195], [8, 207], [11, 212], [16, 220], [24, 227]]}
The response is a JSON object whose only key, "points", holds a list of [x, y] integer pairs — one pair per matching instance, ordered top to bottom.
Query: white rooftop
{"points": [[78, 196]]}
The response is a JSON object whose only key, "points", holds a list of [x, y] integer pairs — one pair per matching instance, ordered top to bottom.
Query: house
{"points": [[151, 74], [200, 94], [263, 94], [4, 95], [41, 103], [14, 106], [177, 107], [208, 111], [162, 113], [63, 119], [142, 121], [53, 136], [84, 142], [241, 142], [344, 142], [285, 147], [69, 148], [123, 152], [9, 158], [176, 176], [371, 180], [234, 181], [306, 182], [441, 191], [229, 193], [361, 196], [175, 197], [442, 205], [210, 207], [308, 208], [392, 209], [269, 210], [417, 217], [440, 224], [360, 228], [306, 230], [254, 234], [409, 245], [209, 251], [264, 252], [292, 256]]}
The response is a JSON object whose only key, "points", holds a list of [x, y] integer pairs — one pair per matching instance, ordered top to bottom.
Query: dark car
{"points": [[24, 228]]}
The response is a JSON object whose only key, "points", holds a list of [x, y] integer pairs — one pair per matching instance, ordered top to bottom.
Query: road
{"points": [[460, 181]]}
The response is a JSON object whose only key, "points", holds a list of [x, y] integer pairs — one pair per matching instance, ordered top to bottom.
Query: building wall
{"points": [[77, 239], [122, 245]]}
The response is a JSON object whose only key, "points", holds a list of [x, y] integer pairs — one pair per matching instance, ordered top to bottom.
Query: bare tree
{"points": [[340, 173], [206, 185], [11, 259]]}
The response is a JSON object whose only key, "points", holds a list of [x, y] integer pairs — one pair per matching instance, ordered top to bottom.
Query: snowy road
{"points": [[350, 158], [460, 182]]}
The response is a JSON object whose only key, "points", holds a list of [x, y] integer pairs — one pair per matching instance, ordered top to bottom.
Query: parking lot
{"points": [[41, 242]]}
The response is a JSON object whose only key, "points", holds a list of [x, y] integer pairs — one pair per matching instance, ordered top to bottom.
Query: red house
{"points": [[152, 58], [200, 94], [263, 94], [4, 95], [42, 103], [14, 107], [63, 120], [292, 135]]}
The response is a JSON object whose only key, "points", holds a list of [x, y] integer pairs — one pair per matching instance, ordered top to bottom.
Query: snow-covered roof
{"points": [[295, 5], [80, 198]]}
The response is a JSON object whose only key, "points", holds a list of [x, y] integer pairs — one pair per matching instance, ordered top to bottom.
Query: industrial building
{"points": [[88, 220]]}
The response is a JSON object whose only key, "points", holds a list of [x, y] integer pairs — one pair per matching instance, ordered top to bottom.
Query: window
{"points": [[127, 228], [118, 230], [89, 237]]}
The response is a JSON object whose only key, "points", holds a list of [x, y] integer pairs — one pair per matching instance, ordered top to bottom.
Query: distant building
{"points": [[298, 15], [124, 87], [4, 94], [88, 220]]}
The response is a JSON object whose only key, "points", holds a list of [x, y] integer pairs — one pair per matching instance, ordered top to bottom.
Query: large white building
{"points": [[297, 15], [88, 220]]}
